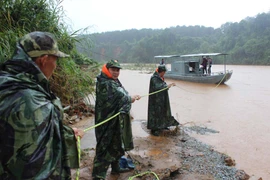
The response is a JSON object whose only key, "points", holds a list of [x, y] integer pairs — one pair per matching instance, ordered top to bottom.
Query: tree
{"points": [[246, 42]]}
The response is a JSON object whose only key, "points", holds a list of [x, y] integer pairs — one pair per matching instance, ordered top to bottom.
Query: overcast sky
{"points": [[112, 15]]}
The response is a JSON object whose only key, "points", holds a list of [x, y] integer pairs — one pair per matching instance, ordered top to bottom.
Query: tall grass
{"points": [[70, 82]]}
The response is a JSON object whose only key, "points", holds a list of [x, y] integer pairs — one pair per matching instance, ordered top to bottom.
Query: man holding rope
{"points": [[159, 109], [115, 136]]}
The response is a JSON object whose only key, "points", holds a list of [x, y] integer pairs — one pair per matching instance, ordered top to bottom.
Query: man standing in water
{"points": [[159, 109], [115, 136], [34, 143]]}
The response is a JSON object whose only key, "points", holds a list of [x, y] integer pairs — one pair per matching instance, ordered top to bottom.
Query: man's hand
{"points": [[170, 85], [135, 97], [78, 132]]}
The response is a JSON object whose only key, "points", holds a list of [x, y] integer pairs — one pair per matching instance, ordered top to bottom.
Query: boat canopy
{"points": [[203, 54], [190, 55], [167, 56]]}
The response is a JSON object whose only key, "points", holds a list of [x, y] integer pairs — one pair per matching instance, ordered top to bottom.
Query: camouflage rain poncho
{"points": [[159, 110], [115, 136], [34, 144]]}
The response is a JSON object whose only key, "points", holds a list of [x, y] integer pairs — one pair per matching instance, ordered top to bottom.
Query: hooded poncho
{"points": [[159, 109], [115, 136], [34, 144]]}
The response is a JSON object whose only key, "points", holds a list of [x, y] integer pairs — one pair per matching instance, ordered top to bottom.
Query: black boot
{"points": [[155, 132], [116, 168]]}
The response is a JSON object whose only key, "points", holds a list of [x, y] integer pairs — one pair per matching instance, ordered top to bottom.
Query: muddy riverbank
{"points": [[172, 156]]}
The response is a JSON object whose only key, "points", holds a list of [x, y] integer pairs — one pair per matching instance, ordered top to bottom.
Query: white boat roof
{"points": [[203, 54], [191, 55], [166, 56]]}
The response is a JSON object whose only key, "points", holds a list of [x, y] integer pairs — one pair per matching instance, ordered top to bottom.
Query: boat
{"points": [[188, 68]]}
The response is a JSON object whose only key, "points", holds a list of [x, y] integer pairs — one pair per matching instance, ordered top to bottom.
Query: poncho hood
{"points": [[22, 69]]}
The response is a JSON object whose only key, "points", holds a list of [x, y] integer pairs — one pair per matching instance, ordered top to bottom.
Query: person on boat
{"points": [[209, 60], [162, 62], [204, 65], [159, 110], [115, 136]]}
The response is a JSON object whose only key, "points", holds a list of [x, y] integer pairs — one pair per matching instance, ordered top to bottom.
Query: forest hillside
{"points": [[246, 42]]}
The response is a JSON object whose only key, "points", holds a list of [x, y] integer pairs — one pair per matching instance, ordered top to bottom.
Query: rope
{"points": [[221, 80], [155, 92], [87, 129], [79, 156], [141, 174]]}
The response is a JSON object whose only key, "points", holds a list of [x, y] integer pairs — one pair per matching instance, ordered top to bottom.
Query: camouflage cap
{"points": [[39, 43], [113, 63], [162, 68]]}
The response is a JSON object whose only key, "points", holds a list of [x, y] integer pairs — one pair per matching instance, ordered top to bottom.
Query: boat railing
{"points": [[221, 72], [200, 74]]}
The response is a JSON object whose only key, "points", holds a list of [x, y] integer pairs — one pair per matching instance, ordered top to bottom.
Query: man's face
{"points": [[47, 64], [51, 64], [114, 72], [162, 73]]}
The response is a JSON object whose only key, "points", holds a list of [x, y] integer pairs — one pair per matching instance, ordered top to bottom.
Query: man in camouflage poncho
{"points": [[159, 110], [115, 136], [34, 144]]}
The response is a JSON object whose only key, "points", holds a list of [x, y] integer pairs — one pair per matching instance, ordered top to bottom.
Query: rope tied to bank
{"points": [[92, 127], [141, 174]]}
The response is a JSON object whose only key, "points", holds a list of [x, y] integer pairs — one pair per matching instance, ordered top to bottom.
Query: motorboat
{"points": [[189, 68]]}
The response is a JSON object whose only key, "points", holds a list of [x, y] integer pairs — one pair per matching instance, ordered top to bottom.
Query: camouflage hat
{"points": [[38, 43], [113, 63], [162, 68]]}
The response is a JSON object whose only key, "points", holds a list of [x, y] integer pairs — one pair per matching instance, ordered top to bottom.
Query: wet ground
{"points": [[232, 119], [174, 155]]}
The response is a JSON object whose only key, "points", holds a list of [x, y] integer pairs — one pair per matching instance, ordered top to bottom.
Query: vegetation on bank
{"points": [[246, 42], [74, 77]]}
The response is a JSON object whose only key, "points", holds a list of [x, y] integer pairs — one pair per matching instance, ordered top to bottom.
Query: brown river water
{"points": [[239, 110]]}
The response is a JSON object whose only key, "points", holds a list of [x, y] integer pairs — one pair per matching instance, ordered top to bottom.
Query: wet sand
{"points": [[238, 110]]}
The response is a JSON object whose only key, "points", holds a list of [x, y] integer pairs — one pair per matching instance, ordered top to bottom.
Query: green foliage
{"points": [[247, 42], [71, 81]]}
